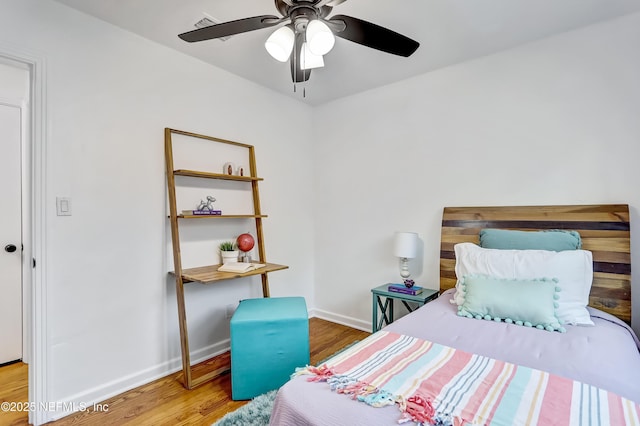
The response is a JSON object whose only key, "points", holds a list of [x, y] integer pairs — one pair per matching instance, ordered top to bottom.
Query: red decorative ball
{"points": [[245, 242]]}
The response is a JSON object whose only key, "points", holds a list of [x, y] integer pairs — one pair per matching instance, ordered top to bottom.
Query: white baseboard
{"points": [[341, 319], [92, 398]]}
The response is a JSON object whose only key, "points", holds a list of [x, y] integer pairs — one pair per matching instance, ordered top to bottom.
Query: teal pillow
{"points": [[553, 240], [531, 303]]}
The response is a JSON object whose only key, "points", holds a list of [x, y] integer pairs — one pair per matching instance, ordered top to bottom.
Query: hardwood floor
{"points": [[14, 388], [166, 401]]}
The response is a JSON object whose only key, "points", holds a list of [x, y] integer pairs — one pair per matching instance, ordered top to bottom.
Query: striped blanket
{"points": [[438, 385]]}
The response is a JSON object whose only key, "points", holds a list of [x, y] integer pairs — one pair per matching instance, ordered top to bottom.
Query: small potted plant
{"points": [[228, 251]]}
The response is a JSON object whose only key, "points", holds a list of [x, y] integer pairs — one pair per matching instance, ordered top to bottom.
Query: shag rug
{"points": [[258, 411], [255, 413]]}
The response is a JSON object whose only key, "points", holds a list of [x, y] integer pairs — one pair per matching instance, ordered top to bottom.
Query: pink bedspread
{"points": [[605, 356]]}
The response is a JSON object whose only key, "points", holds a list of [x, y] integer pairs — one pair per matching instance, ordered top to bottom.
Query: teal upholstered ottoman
{"points": [[269, 339]]}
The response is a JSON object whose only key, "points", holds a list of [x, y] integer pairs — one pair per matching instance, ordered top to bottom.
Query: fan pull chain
{"points": [[295, 62], [304, 71]]}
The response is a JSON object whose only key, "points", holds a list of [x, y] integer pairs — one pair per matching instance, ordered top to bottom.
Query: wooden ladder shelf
{"points": [[208, 274]]}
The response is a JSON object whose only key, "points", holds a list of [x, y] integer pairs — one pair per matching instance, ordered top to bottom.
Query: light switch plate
{"points": [[63, 206]]}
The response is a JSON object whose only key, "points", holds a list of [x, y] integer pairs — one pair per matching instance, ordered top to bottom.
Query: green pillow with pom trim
{"points": [[530, 303]]}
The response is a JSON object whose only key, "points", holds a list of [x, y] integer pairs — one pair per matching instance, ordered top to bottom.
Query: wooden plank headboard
{"points": [[604, 230]]}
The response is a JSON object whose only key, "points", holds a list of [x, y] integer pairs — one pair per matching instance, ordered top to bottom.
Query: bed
{"points": [[439, 365]]}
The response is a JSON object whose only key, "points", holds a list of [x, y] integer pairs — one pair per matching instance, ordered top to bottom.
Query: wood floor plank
{"points": [[14, 389], [165, 401]]}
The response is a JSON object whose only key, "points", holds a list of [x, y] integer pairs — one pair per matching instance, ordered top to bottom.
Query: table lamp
{"points": [[405, 247]]}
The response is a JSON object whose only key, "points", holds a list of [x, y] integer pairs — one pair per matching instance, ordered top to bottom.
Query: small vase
{"points": [[229, 256]]}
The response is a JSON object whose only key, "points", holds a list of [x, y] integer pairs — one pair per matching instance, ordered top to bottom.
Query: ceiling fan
{"points": [[309, 34]]}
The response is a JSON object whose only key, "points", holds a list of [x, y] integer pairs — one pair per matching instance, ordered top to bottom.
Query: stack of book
{"points": [[201, 212], [240, 267], [401, 288]]}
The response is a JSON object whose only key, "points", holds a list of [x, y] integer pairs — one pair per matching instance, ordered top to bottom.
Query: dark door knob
{"points": [[9, 248]]}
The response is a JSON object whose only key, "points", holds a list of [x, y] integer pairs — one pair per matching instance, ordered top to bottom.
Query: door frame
{"points": [[34, 216]]}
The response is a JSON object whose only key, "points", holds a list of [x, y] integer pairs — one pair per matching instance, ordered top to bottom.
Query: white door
{"points": [[10, 235]]}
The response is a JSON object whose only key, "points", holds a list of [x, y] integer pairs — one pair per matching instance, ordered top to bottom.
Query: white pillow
{"points": [[572, 268]]}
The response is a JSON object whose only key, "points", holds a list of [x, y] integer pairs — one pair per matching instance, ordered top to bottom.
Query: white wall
{"points": [[552, 122], [111, 306]]}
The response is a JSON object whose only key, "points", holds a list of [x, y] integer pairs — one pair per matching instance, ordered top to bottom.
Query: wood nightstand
{"points": [[386, 309]]}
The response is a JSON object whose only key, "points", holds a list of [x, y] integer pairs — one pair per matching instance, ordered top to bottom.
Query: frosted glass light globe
{"points": [[319, 37], [280, 44], [309, 60]]}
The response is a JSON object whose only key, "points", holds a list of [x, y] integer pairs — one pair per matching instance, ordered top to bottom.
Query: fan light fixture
{"points": [[319, 42], [280, 44]]}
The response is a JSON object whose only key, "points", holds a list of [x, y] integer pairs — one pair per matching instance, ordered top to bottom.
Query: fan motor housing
{"points": [[306, 8], [300, 17]]}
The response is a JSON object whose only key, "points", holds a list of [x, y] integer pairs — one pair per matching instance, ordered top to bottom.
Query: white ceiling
{"points": [[449, 32]]}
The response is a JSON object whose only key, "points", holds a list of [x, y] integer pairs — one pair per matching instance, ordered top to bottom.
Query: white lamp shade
{"points": [[319, 37], [280, 44], [308, 59], [405, 245]]}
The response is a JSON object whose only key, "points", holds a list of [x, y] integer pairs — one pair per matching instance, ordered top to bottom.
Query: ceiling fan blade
{"points": [[334, 3], [230, 28], [375, 36], [298, 75]]}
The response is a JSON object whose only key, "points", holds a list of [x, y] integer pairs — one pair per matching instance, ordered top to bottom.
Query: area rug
{"points": [[258, 411], [255, 413]]}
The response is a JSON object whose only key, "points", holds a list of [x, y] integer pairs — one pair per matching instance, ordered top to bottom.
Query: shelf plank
{"points": [[208, 175], [221, 216], [207, 274]]}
